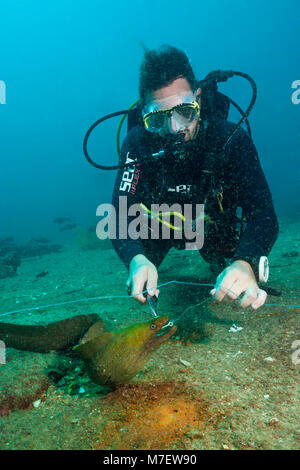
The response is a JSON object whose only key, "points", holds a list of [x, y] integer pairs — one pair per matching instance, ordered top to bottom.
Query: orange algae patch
{"points": [[153, 416]]}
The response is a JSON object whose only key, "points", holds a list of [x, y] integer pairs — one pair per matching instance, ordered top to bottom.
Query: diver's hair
{"points": [[161, 67]]}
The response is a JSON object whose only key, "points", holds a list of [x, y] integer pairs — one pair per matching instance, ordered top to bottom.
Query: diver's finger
{"points": [[152, 282], [224, 283], [129, 287], [138, 288], [237, 288], [223, 289], [220, 293], [249, 297], [140, 298], [261, 298]]}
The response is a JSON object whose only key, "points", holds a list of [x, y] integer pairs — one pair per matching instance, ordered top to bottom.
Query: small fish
{"points": [[61, 220], [68, 227], [42, 240], [291, 254], [42, 274], [115, 358]]}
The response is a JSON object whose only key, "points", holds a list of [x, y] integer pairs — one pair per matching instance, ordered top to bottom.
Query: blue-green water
{"points": [[64, 64]]}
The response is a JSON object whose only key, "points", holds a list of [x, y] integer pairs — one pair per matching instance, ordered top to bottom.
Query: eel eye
{"points": [[153, 326]]}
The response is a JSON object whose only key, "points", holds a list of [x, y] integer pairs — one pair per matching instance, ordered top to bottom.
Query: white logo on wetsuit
{"points": [[128, 175], [181, 188]]}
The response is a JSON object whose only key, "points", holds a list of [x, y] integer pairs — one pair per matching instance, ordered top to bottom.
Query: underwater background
{"points": [[65, 64], [229, 379]]}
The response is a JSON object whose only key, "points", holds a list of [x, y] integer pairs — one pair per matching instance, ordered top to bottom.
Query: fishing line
{"points": [[87, 299], [170, 323]]}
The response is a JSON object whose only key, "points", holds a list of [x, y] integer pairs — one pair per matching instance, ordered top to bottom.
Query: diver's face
{"points": [[172, 95]]}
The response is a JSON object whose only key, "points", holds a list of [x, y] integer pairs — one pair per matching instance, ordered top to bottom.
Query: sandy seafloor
{"points": [[208, 388]]}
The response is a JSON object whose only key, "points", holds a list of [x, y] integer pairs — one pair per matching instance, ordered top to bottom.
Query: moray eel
{"points": [[53, 337], [110, 358], [115, 358]]}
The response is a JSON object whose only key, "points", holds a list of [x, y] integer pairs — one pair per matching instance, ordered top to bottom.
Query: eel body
{"points": [[52, 337]]}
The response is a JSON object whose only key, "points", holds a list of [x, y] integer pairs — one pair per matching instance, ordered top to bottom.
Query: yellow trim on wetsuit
{"points": [[161, 214], [158, 215]]}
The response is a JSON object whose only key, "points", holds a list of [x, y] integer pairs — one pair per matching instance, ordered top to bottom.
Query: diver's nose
{"points": [[173, 125]]}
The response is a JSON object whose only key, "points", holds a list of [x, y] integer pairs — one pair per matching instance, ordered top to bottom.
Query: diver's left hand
{"points": [[236, 279]]}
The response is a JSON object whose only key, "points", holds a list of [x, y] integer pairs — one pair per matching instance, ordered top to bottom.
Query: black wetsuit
{"points": [[173, 180]]}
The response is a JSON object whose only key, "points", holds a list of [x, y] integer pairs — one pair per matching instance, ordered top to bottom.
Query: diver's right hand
{"points": [[142, 275]]}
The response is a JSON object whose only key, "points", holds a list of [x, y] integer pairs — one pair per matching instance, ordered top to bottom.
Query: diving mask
{"points": [[158, 118]]}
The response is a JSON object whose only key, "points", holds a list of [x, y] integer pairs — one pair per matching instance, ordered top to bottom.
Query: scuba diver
{"points": [[198, 157]]}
